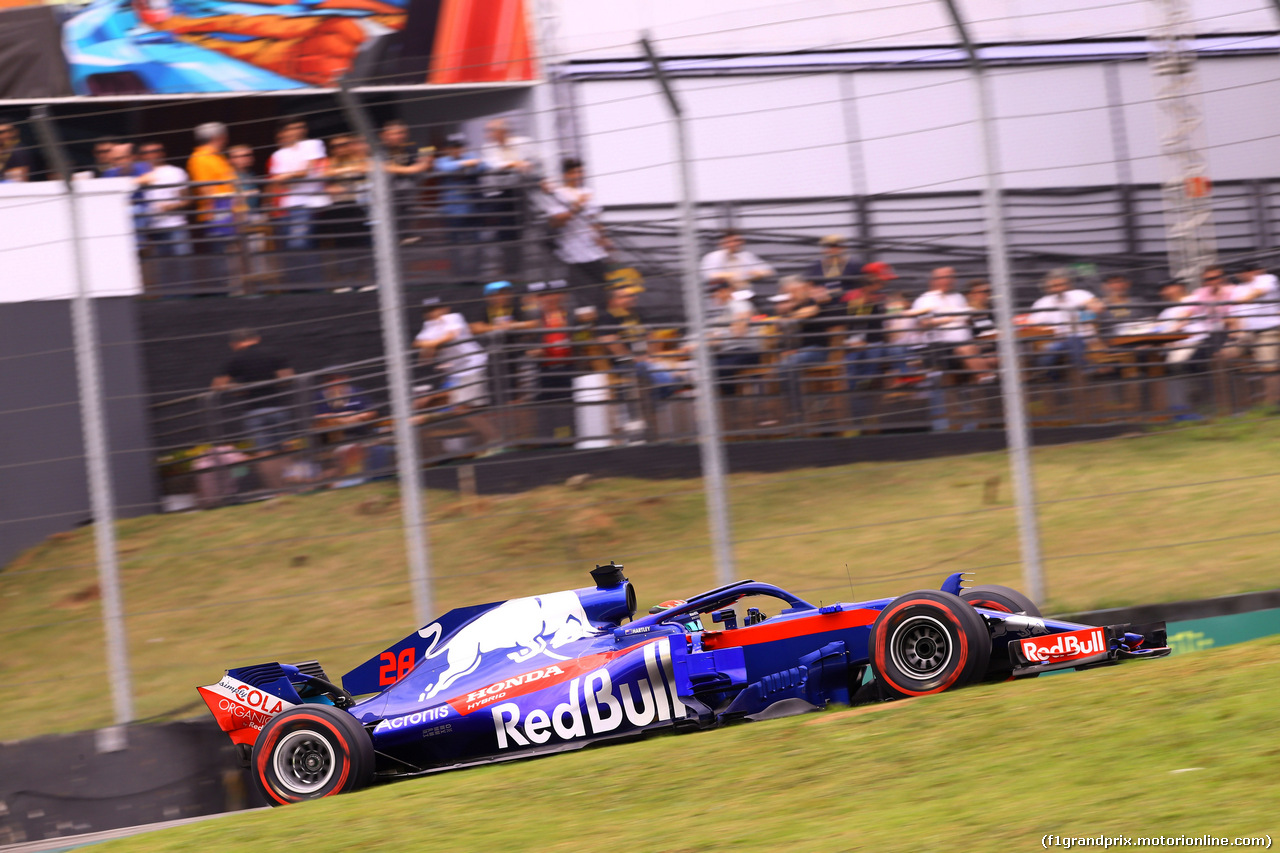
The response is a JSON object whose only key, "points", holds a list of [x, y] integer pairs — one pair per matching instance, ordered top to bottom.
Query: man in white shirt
{"points": [[298, 168], [508, 171], [164, 200], [580, 242], [734, 264], [1070, 313], [1258, 313], [942, 316], [1179, 318], [446, 340]]}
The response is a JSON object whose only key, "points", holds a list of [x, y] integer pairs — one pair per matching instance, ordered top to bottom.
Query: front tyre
{"points": [[1000, 598], [926, 642], [309, 752]]}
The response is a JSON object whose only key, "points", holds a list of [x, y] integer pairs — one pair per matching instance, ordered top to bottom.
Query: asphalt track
{"points": [[74, 842]]}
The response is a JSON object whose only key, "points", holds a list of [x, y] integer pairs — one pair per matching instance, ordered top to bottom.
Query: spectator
{"points": [[104, 153], [15, 161], [406, 163], [123, 165], [296, 165], [508, 171], [346, 180], [213, 184], [247, 189], [459, 192], [165, 198], [580, 241], [734, 264], [836, 270], [1214, 305], [1118, 310], [501, 311], [1069, 312], [1258, 315], [814, 317], [943, 317], [1179, 318], [500, 319], [982, 324], [729, 333], [446, 340], [627, 341], [868, 352], [554, 358], [254, 371], [344, 416]]}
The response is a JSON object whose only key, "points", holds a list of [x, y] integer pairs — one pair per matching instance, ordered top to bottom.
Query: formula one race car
{"points": [[556, 672]]}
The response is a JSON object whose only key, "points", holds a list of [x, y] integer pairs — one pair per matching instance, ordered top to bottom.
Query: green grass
{"points": [[324, 575], [990, 768]]}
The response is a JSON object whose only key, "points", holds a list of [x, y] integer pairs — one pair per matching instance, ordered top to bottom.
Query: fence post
{"points": [[387, 265], [1012, 392], [94, 424], [710, 440]]}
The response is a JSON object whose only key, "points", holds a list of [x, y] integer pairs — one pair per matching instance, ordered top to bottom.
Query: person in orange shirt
{"points": [[213, 184]]}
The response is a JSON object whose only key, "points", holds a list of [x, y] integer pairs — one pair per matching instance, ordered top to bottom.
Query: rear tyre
{"points": [[1001, 598], [926, 642], [309, 752]]}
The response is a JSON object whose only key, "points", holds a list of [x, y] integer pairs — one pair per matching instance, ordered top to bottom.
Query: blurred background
{"points": [[265, 266]]}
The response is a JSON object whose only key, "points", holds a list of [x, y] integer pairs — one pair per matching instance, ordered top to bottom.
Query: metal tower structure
{"points": [[1188, 212]]}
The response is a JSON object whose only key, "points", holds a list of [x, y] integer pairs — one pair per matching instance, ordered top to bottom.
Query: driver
{"points": [[688, 621]]}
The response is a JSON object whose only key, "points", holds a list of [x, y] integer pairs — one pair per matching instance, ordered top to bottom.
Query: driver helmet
{"points": [[688, 621]]}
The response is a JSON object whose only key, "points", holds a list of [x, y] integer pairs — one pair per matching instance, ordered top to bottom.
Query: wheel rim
{"points": [[921, 647], [304, 761]]}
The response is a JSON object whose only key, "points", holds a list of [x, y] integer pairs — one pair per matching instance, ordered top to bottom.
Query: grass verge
{"points": [[1155, 518]]}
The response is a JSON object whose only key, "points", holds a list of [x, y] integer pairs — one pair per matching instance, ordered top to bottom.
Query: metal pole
{"points": [[387, 270], [1012, 392], [710, 440], [101, 493]]}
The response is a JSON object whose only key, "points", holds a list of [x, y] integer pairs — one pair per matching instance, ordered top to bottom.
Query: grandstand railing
{"points": [[1139, 371]]}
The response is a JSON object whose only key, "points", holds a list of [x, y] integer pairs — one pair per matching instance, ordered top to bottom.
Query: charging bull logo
{"points": [[528, 626]]}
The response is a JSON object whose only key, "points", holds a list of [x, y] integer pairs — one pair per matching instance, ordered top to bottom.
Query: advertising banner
{"points": [[179, 47]]}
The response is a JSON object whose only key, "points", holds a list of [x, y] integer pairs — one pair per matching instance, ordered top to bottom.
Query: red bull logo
{"points": [[520, 629], [1056, 648], [596, 705]]}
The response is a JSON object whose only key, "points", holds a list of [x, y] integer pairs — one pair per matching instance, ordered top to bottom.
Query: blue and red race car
{"points": [[555, 672]]}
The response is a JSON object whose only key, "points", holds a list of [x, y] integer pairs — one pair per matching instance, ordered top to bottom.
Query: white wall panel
{"points": [[590, 28], [1137, 93], [1242, 124], [1053, 126], [919, 131], [774, 137], [627, 142], [35, 240]]}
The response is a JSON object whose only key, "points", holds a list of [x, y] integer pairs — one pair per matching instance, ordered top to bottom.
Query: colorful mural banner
{"points": [[157, 47]]}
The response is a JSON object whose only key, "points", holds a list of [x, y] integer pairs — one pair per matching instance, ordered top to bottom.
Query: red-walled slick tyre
{"points": [[1001, 598], [1004, 600], [927, 642], [309, 752]]}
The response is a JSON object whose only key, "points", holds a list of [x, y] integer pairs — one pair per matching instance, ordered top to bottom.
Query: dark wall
{"points": [[42, 471], [63, 785]]}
